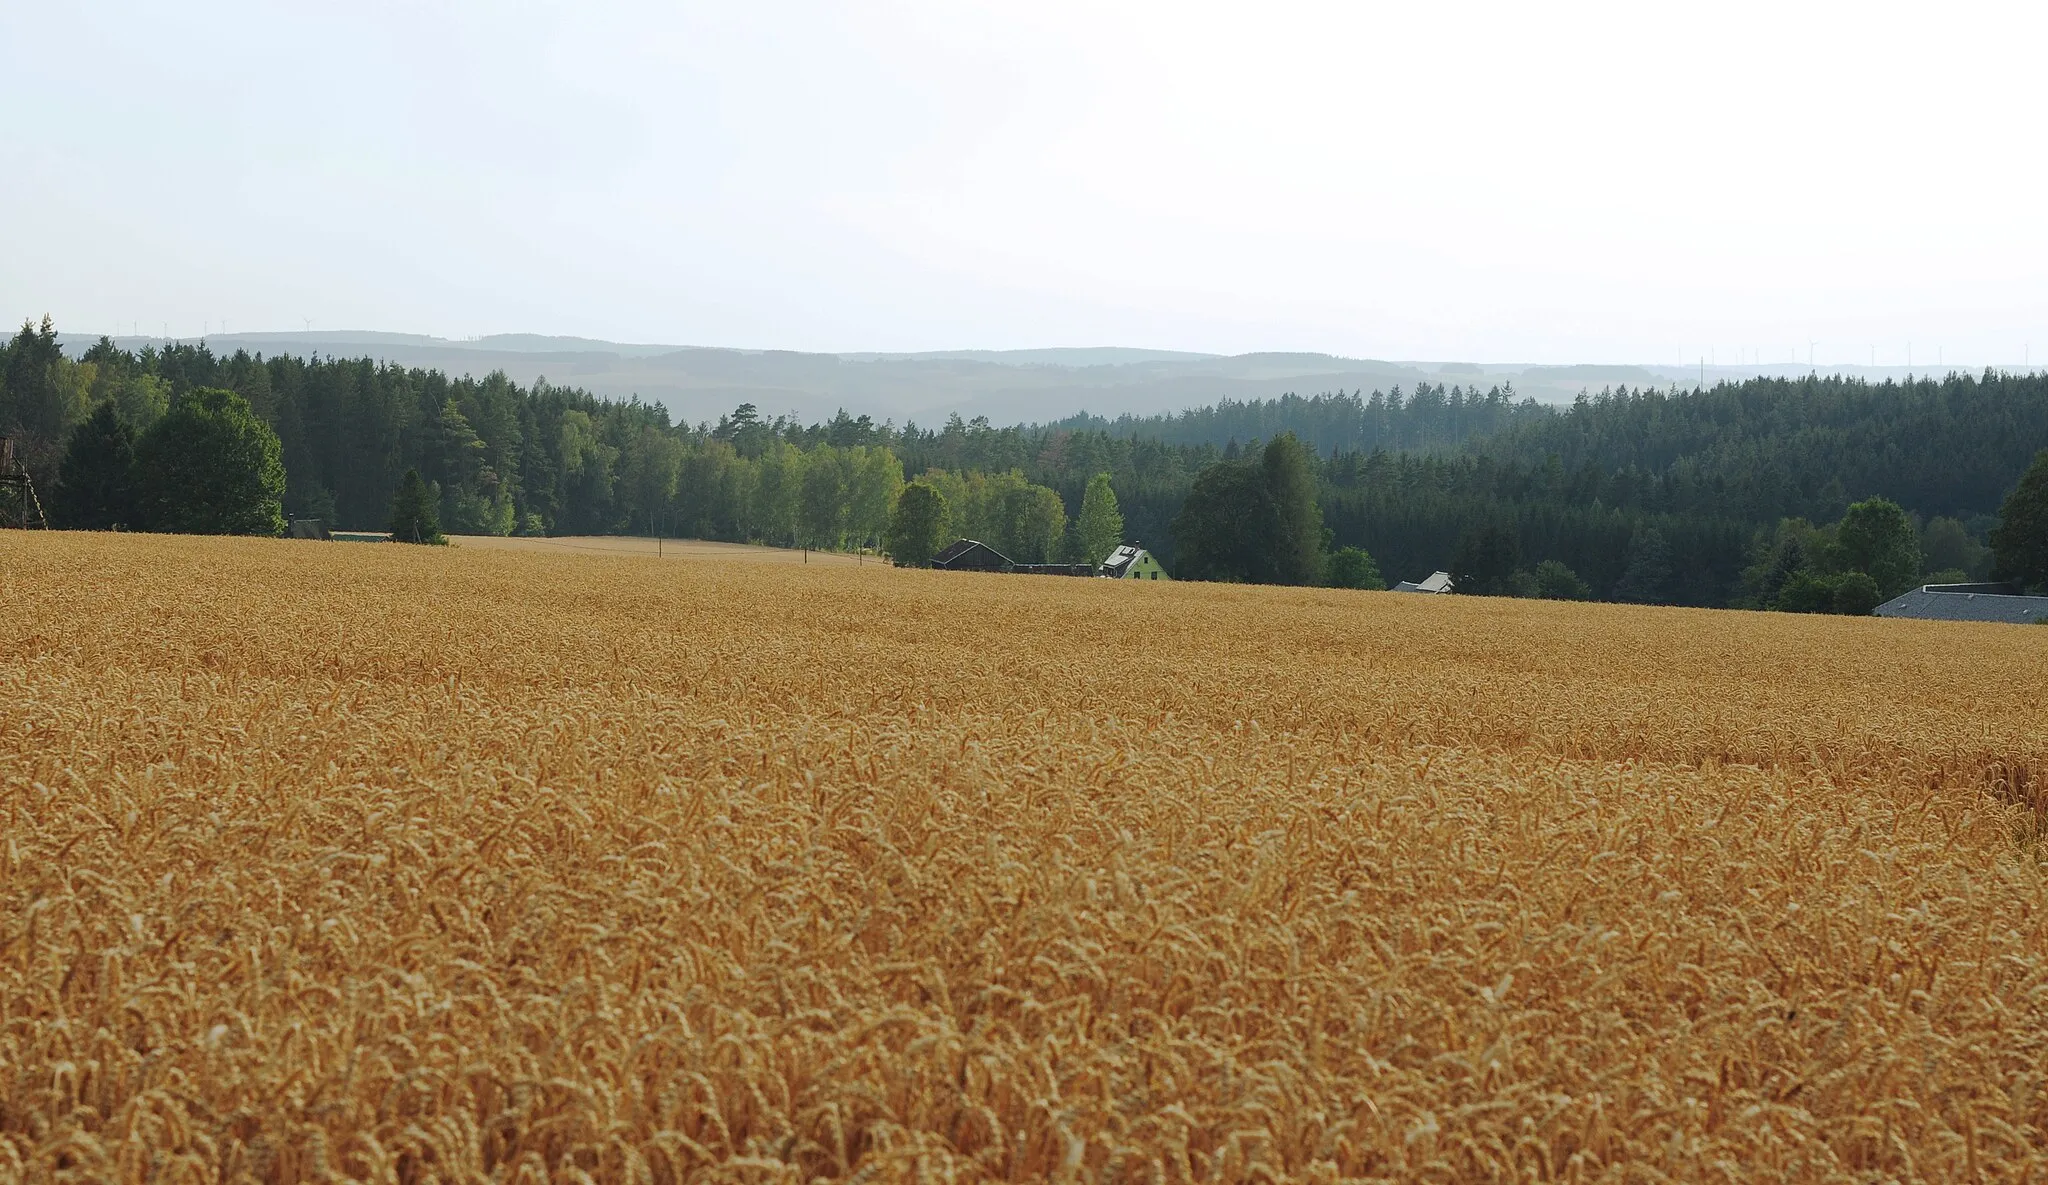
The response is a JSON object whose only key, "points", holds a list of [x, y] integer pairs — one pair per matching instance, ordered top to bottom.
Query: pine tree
{"points": [[413, 516]]}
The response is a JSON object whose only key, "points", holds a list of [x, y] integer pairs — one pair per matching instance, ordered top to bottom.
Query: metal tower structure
{"points": [[19, 506]]}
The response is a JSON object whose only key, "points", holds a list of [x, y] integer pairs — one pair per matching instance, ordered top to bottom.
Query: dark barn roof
{"points": [[971, 555], [1966, 602]]}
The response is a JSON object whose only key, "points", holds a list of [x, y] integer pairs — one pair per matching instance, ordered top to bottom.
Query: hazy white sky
{"points": [[1534, 182]]}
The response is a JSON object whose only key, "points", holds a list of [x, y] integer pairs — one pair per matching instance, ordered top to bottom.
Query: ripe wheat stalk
{"points": [[327, 862]]}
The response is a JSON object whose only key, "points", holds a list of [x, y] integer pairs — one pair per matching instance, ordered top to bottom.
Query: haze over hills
{"points": [[697, 383]]}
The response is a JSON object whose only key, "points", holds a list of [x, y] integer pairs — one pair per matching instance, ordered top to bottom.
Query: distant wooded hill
{"points": [[699, 384], [1005, 386]]}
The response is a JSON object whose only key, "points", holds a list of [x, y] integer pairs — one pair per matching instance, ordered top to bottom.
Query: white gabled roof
{"points": [[1435, 582]]}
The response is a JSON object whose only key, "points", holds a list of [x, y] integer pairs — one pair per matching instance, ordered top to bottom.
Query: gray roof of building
{"points": [[961, 548], [1121, 559], [1935, 603]]}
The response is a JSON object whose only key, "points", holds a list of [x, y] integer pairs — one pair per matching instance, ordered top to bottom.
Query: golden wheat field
{"points": [[329, 861]]}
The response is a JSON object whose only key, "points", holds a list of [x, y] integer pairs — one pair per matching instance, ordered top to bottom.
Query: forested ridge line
{"points": [[1404, 475]]}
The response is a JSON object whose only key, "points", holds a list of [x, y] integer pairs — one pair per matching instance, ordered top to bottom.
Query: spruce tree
{"points": [[96, 480], [413, 517], [2019, 545], [1485, 562], [1647, 579]]}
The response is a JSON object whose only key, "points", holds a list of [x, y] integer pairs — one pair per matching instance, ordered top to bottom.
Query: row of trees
{"points": [[1433, 417], [498, 458], [207, 466], [1673, 496], [1261, 520], [1027, 523]]}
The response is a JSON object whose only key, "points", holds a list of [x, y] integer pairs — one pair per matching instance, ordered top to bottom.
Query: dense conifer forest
{"points": [[1707, 496]]}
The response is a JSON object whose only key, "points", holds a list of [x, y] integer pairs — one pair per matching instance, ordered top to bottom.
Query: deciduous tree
{"points": [[210, 467], [1101, 526], [917, 528], [1876, 538], [1352, 567]]}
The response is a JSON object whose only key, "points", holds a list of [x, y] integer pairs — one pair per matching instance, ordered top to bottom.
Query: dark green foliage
{"points": [[30, 402], [1434, 418], [210, 467], [1290, 480], [96, 481], [821, 501], [414, 518], [1253, 521], [1026, 522], [1226, 526], [917, 528], [1876, 538], [2020, 544], [1947, 548], [1782, 553], [1485, 563], [1351, 567], [1647, 578], [1554, 582], [1807, 592], [1852, 593], [1856, 594]]}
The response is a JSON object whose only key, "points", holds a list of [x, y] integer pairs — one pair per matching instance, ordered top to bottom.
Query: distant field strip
{"points": [[693, 549], [325, 861]]}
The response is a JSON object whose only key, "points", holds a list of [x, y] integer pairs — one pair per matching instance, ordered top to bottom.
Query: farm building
{"points": [[971, 555], [1131, 562], [1435, 582], [1967, 602]]}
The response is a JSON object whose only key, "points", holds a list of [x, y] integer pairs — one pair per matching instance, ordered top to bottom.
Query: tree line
{"points": [[1432, 417], [493, 457], [1717, 496]]}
